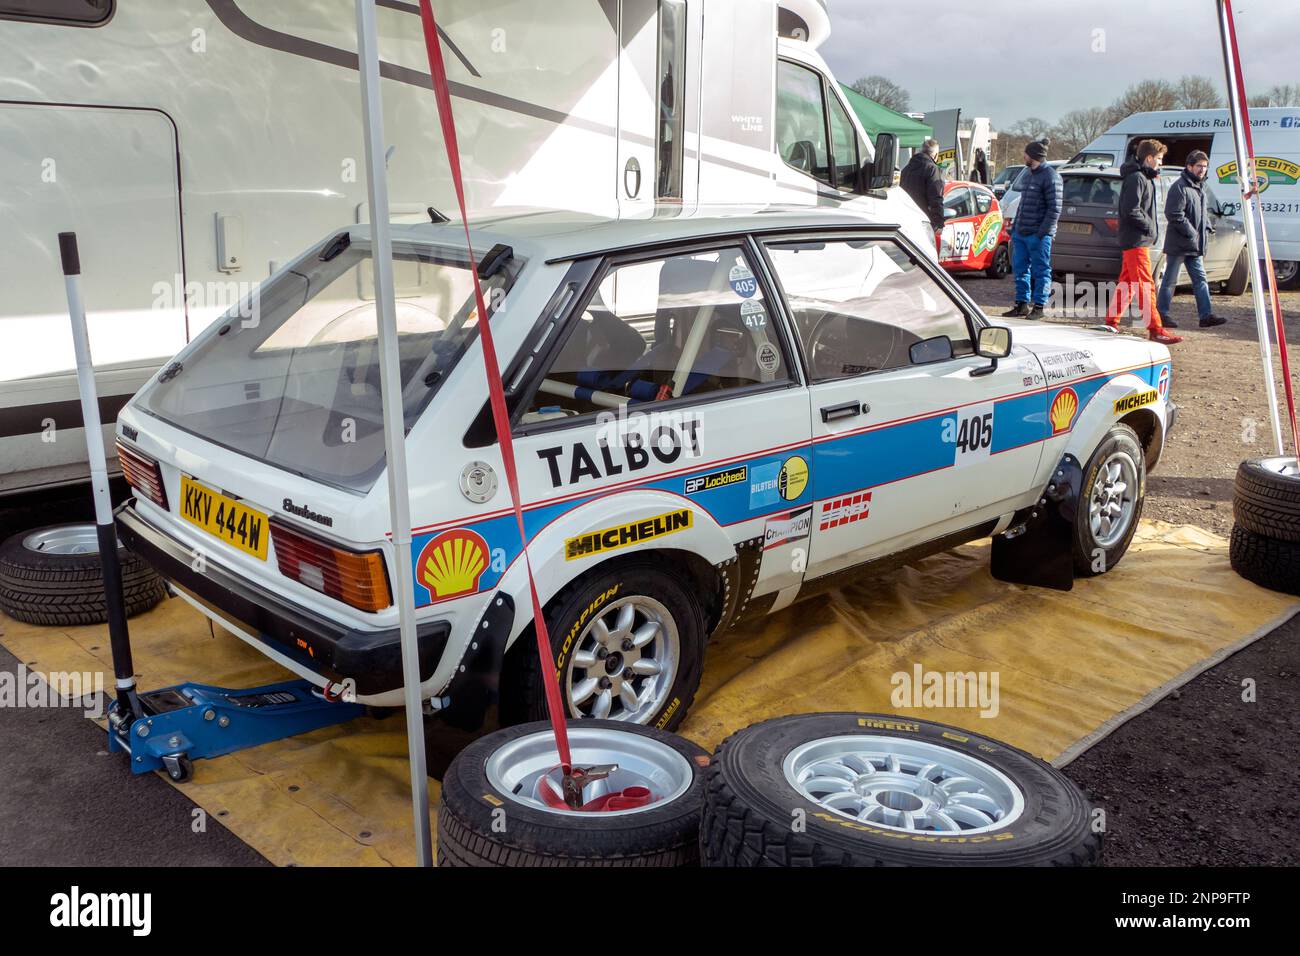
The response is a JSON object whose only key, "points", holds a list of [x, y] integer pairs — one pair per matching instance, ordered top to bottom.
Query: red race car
{"points": [[975, 237]]}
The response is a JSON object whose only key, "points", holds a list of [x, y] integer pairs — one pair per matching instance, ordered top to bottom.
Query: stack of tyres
{"points": [[1265, 544]]}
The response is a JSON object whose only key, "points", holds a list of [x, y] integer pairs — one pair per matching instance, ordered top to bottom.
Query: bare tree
{"points": [[884, 91], [1197, 93], [1285, 94], [1147, 96], [1077, 129]]}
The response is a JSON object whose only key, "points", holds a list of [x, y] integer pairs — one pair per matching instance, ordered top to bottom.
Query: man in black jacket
{"points": [[922, 181], [1187, 229], [1138, 231]]}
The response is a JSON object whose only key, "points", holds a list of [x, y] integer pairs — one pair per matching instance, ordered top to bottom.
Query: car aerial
{"points": [[1005, 177], [1087, 236], [975, 237], [714, 414]]}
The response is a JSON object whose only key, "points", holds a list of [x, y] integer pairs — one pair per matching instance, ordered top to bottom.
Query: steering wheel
{"points": [[830, 344]]}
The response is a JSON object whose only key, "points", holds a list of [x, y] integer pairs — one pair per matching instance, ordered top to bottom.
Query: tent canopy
{"points": [[876, 119]]}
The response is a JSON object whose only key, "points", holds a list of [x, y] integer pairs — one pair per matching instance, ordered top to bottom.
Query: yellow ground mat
{"points": [[1069, 668]]}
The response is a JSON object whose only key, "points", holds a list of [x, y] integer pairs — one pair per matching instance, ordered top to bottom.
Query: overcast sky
{"points": [[1008, 59]]}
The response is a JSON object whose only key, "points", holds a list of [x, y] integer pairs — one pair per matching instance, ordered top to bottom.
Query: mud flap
{"points": [[1039, 550]]}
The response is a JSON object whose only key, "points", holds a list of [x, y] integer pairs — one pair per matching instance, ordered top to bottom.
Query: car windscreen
{"points": [[291, 375]]}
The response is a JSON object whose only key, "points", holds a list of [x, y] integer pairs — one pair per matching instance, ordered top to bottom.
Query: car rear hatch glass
{"points": [[1089, 208], [290, 376]]}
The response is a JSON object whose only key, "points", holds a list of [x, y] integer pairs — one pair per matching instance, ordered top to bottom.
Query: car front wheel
{"points": [[1110, 502]]}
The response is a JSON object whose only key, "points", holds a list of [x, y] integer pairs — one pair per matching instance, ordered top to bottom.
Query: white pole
{"points": [[1245, 180], [390, 387]]}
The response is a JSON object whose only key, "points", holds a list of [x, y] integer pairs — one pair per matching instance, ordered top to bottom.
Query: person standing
{"points": [[979, 172], [922, 180], [1187, 230], [1138, 231], [1033, 232]]}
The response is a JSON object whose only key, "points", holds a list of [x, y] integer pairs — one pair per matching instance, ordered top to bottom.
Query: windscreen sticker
{"points": [[742, 281], [753, 314], [768, 358], [970, 432], [784, 528]]}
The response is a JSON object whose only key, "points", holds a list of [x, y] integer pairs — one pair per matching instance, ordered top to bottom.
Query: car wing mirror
{"points": [[879, 173], [994, 343], [937, 349]]}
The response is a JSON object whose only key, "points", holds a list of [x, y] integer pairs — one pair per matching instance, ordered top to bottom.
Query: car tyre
{"points": [[1000, 268], [1239, 280], [1118, 460], [1266, 498], [1269, 562], [52, 576], [646, 585], [768, 785], [485, 821]]}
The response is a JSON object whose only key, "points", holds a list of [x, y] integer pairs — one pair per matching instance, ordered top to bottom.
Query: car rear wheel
{"points": [[1001, 265], [1286, 272], [1239, 280], [1110, 502], [53, 576], [627, 644]]}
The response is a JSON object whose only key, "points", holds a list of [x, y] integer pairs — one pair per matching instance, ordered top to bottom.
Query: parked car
{"points": [[1005, 177], [975, 237], [1087, 237], [714, 414]]}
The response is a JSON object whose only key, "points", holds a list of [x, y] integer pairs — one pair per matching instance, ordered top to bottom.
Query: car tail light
{"points": [[1112, 224], [143, 474], [355, 578]]}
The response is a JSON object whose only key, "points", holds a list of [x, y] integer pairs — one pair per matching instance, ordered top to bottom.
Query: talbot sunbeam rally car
{"points": [[714, 415]]}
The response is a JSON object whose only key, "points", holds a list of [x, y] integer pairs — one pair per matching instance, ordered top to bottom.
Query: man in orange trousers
{"points": [[1138, 232]]}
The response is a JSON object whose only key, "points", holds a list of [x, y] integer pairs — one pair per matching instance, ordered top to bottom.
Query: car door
{"points": [[960, 222], [672, 377], [904, 450]]}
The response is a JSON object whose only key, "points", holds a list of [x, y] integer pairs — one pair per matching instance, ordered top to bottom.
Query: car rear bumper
{"points": [[1083, 262], [334, 651]]}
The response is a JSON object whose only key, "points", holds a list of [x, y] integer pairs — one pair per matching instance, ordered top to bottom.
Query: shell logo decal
{"points": [[1063, 410], [452, 563]]}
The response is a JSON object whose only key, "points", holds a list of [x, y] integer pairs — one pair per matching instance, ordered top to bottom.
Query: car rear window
{"points": [[1083, 190], [291, 375]]}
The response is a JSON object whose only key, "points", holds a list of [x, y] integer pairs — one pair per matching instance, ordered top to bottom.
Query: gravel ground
{"points": [[1203, 777]]}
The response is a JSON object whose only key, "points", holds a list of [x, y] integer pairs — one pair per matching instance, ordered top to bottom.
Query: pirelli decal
{"points": [[1136, 400], [626, 535]]}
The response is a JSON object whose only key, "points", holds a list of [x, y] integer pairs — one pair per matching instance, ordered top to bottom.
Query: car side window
{"points": [[801, 121], [844, 145], [983, 201], [959, 202], [859, 305], [683, 325]]}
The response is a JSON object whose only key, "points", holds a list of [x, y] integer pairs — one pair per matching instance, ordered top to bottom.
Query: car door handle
{"points": [[845, 410]]}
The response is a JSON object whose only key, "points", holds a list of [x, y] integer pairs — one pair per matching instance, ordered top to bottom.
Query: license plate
{"points": [[1078, 228], [236, 524]]}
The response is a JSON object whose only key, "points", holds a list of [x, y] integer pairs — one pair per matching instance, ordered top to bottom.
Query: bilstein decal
{"points": [[1136, 400], [717, 479], [626, 535]]}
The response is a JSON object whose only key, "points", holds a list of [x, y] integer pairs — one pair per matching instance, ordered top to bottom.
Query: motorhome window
{"points": [[74, 12], [672, 99], [801, 121], [844, 145], [1180, 147], [1100, 160], [859, 306], [687, 325], [292, 377]]}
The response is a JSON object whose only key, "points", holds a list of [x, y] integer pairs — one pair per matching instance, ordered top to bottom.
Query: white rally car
{"points": [[714, 415]]}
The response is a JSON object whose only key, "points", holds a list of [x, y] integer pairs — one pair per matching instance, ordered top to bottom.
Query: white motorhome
{"points": [[1276, 135], [194, 145]]}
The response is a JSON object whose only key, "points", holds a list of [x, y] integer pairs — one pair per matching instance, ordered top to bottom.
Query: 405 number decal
{"points": [[970, 432]]}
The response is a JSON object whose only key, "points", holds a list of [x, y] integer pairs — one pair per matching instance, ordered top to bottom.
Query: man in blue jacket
{"points": [[1187, 228], [1031, 237]]}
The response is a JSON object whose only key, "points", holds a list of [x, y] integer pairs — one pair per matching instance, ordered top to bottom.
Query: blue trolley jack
{"points": [[180, 724], [169, 729]]}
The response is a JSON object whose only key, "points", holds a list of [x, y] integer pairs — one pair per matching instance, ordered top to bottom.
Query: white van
{"points": [[1276, 134], [195, 145]]}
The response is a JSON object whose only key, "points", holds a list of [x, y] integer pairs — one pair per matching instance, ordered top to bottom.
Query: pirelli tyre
{"points": [[1266, 497], [1110, 502], [1269, 562], [52, 576], [628, 645], [872, 790], [498, 803]]}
